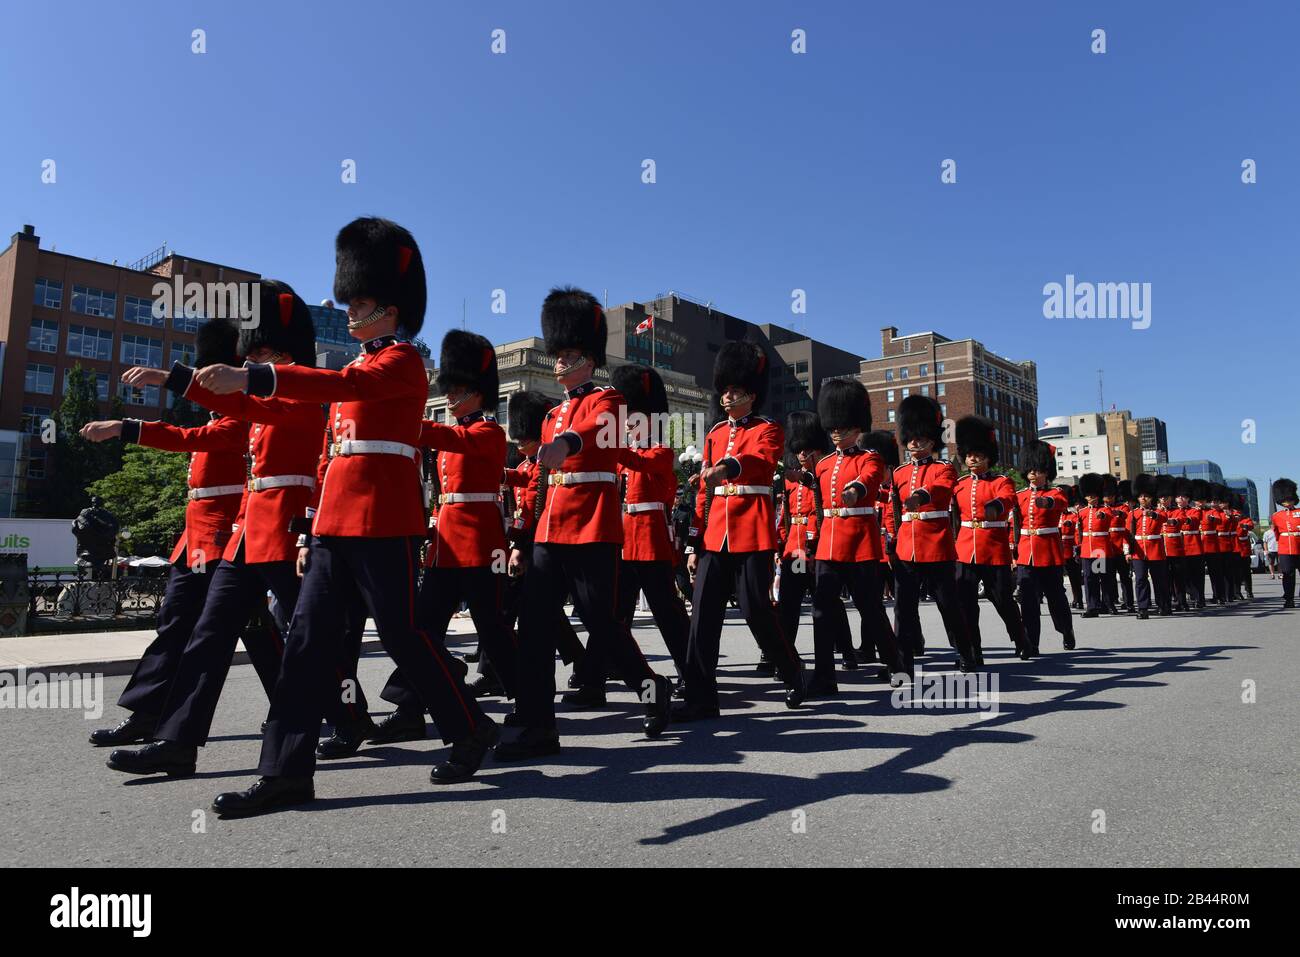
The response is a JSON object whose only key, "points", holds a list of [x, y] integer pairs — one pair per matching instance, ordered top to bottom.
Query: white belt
{"points": [[373, 447], [578, 478], [280, 481], [742, 490], [214, 491], [458, 498], [633, 507], [847, 512], [913, 516], [803, 520], [984, 524], [1040, 531], [1193, 532], [1225, 533], [1289, 533], [1097, 534], [1148, 538]]}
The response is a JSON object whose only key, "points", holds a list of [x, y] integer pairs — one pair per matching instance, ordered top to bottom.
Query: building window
{"points": [[49, 293], [93, 302], [140, 311], [188, 322], [43, 336], [87, 343], [907, 345], [142, 351], [182, 352], [938, 367], [801, 368], [925, 368], [902, 373], [889, 375], [40, 378], [101, 384], [943, 388], [925, 390], [906, 393], [133, 396], [889, 396], [943, 408], [891, 415], [33, 417], [1087, 464], [36, 465]]}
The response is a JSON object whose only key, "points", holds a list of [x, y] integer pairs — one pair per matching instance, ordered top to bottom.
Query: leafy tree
{"points": [[73, 463], [148, 496]]}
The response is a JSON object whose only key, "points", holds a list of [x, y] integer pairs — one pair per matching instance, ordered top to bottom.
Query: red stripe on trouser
{"points": [[410, 577]]}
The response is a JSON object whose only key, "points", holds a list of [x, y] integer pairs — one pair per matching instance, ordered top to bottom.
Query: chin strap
{"points": [[369, 320]]}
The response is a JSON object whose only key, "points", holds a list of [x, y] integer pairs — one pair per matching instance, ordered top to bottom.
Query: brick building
{"points": [[963, 376]]}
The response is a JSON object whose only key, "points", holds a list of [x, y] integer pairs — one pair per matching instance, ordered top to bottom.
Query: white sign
{"points": [[47, 542]]}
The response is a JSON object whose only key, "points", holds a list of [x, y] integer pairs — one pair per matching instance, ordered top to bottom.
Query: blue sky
{"points": [[775, 171]]}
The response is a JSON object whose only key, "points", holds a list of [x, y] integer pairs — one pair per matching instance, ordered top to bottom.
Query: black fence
{"points": [[61, 596]]}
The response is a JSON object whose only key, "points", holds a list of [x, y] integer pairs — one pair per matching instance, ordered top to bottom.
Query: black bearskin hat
{"points": [[378, 259], [573, 319], [283, 324], [216, 343], [469, 360], [743, 364], [642, 388], [844, 404], [525, 413], [919, 417], [804, 433], [977, 434], [882, 441], [1037, 456], [1090, 483], [1144, 484], [1109, 486], [1165, 486], [1183, 486], [1200, 490], [1284, 491], [1070, 492], [1124, 492]]}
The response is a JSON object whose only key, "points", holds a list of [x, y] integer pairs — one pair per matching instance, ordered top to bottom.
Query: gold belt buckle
{"points": [[336, 448], [252, 484], [731, 489], [976, 523]]}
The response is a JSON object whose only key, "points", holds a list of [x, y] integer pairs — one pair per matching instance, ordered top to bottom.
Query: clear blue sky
{"points": [[775, 171]]}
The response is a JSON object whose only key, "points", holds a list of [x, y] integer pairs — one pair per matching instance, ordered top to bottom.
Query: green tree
{"points": [[73, 463], [148, 496]]}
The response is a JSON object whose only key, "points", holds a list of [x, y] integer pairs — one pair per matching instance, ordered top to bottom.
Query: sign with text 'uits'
{"points": [[47, 542]]}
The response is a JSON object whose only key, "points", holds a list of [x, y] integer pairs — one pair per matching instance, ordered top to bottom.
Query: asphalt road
{"points": [[1135, 749]]}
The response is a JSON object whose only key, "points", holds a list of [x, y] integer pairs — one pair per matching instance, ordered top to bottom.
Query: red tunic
{"points": [[378, 397], [283, 447], [471, 460], [216, 462], [523, 479], [651, 492], [582, 495], [741, 516], [1211, 519], [799, 525], [1244, 525], [1286, 526], [1039, 527], [1119, 528], [1147, 528], [926, 531], [1173, 532], [1228, 532], [850, 533], [1094, 533], [1069, 538], [984, 539], [1192, 547]]}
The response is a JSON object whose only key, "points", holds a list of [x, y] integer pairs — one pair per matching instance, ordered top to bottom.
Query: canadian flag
{"points": [[647, 325]]}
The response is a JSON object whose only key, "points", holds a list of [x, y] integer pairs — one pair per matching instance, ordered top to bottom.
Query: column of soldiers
{"points": [[314, 485]]}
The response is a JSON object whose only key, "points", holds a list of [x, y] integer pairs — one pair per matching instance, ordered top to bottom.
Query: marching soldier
{"points": [[526, 412], [883, 442], [805, 443], [283, 452], [647, 472], [215, 481], [1115, 496], [983, 503], [1211, 522], [1146, 526], [1286, 526], [366, 531], [1172, 531], [736, 533], [579, 534], [848, 543], [925, 544], [1070, 544], [1245, 545], [1095, 549], [1193, 552], [467, 558], [1039, 561]]}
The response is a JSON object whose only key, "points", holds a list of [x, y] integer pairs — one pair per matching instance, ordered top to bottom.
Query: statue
{"points": [[95, 530]]}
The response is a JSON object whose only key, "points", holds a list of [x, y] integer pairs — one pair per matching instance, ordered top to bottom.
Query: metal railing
{"points": [[55, 596]]}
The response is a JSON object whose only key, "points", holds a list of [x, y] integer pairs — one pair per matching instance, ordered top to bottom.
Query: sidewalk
{"points": [[116, 652]]}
